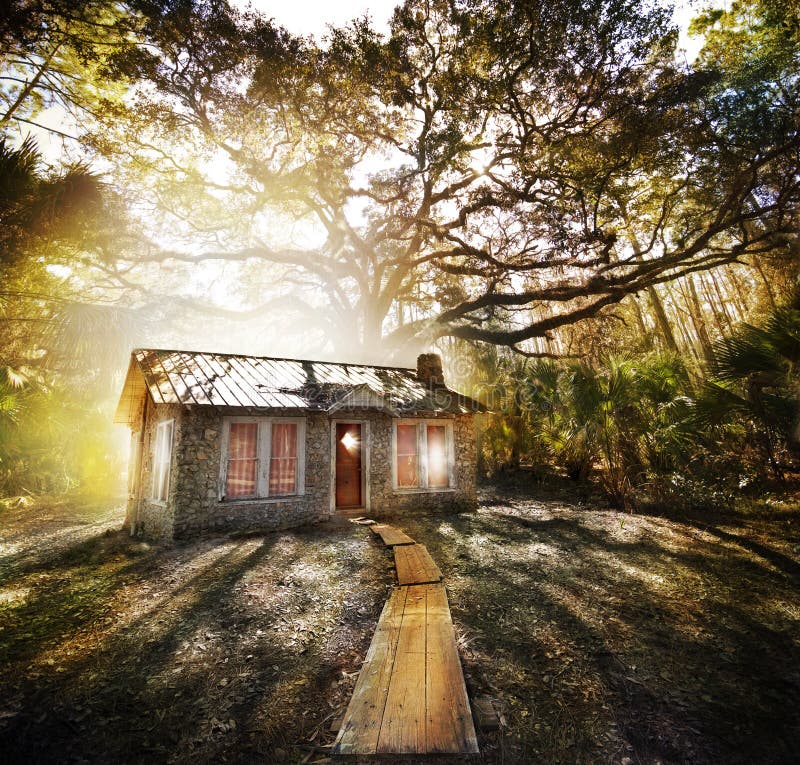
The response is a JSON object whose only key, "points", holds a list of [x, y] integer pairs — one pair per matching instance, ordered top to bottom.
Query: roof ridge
{"points": [[275, 358]]}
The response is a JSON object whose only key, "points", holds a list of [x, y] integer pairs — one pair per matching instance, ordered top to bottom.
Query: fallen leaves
{"points": [[600, 643]]}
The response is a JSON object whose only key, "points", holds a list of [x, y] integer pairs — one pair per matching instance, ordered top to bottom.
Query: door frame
{"points": [[366, 443]]}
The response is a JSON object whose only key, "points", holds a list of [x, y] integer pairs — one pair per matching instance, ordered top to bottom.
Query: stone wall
{"points": [[385, 500], [194, 505], [197, 505], [156, 519]]}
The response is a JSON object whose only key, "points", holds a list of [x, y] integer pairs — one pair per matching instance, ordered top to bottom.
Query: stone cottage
{"points": [[221, 441]]}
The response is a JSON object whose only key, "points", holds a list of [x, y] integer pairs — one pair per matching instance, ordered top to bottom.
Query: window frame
{"points": [[421, 425], [264, 457], [167, 461]]}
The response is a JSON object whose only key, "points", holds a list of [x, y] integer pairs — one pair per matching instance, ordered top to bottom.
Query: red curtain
{"points": [[407, 456], [437, 457], [242, 460], [283, 460]]}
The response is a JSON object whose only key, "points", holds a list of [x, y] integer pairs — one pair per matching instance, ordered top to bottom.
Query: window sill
{"points": [[424, 490], [259, 500]]}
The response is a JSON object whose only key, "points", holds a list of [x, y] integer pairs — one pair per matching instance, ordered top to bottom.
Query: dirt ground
{"points": [[604, 637]]}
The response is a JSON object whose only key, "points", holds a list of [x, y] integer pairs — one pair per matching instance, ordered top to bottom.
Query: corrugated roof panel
{"points": [[170, 362], [285, 374], [243, 377], [196, 379], [217, 379], [157, 380], [225, 381], [214, 387]]}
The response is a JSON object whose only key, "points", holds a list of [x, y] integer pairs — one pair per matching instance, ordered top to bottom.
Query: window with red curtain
{"points": [[437, 457], [407, 458], [283, 459], [242, 478]]}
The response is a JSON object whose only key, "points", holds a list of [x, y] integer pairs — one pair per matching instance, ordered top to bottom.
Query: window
{"points": [[423, 454], [407, 456], [262, 457], [437, 457], [162, 459], [283, 459], [242, 460]]}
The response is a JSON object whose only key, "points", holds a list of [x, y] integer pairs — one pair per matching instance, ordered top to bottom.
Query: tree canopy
{"points": [[489, 171], [500, 175]]}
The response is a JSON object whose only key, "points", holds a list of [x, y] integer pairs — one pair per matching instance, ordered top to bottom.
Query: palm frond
{"points": [[18, 171], [740, 356], [718, 400]]}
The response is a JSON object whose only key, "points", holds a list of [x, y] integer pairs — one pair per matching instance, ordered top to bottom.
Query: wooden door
{"points": [[348, 464]]}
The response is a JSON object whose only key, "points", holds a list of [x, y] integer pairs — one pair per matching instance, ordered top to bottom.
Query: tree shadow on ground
{"points": [[608, 635], [218, 650]]}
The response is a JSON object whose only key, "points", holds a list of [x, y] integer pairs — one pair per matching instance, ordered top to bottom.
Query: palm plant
{"points": [[36, 205], [754, 381], [624, 418], [606, 423], [668, 434]]}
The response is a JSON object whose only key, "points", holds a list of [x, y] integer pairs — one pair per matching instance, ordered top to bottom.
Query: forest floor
{"points": [[604, 637]]}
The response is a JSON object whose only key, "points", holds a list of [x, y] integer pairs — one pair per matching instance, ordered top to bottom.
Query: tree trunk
{"points": [[29, 86], [760, 268], [735, 281], [723, 301], [711, 304], [637, 312], [696, 313], [661, 320]]}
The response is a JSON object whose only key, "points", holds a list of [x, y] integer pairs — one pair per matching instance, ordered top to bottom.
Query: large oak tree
{"points": [[489, 170]]}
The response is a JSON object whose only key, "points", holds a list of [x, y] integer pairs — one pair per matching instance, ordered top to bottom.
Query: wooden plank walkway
{"points": [[390, 535], [415, 566], [410, 697]]}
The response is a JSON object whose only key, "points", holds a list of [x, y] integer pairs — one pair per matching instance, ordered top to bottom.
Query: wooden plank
{"points": [[391, 536], [415, 566], [425, 570], [410, 697], [486, 715], [403, 725], [449, 726], [361, 727]]}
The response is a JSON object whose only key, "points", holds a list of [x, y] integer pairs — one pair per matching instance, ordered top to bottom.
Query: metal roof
{"points": [[232, 380]]}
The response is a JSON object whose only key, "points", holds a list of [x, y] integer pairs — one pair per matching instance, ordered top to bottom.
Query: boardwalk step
{"points": [[390, 535], [415, 566], [410, 697]]}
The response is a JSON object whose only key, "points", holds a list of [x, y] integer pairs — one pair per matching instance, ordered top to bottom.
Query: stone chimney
{"points": [[429, 369]]}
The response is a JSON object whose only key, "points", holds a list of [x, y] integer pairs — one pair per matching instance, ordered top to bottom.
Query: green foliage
{"points": [[56, 53], [487, 170], [39, 210], [57, 350], [754, 383], [619, 419], [642, 428], [55, 440]]}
